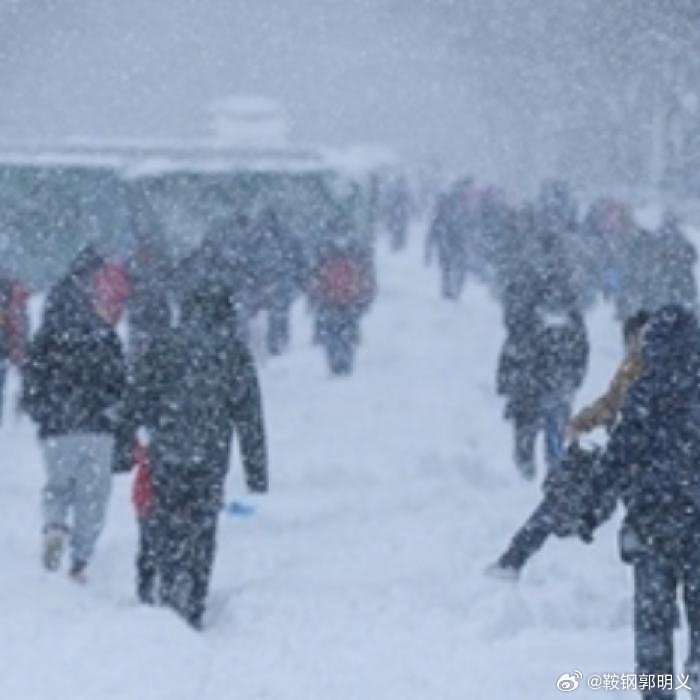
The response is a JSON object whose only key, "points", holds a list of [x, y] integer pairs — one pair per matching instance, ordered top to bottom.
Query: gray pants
{"points": [[79, 478]]}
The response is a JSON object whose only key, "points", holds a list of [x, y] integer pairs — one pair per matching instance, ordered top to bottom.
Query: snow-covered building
{"points": [[249, 122]]}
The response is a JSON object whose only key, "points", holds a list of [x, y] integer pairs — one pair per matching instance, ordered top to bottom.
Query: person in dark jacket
{"points": [[397, 211], [454, 218], [607, 228], [221, 260], [274, 268], [342, 287], [542, 362], [74, 377], [191, 391], [652, 462]]}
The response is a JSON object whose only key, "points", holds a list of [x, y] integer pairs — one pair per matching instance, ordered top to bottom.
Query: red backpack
{"points": [[343, 281]]}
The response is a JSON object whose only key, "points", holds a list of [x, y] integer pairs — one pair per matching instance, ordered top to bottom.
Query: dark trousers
{"points": [[278, 329], [552, 420], [526, 429], [186, 514], [529, 538], [147, 558], [656, 581]]}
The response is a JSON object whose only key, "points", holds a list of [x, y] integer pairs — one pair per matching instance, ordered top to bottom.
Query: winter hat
{"points": [[111, 289]]}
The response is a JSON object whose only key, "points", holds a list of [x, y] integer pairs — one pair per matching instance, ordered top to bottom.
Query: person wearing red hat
{"points": [[74, 378]]}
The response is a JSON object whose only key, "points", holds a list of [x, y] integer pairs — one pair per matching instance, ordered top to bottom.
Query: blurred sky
{"points": [[474, 82]]}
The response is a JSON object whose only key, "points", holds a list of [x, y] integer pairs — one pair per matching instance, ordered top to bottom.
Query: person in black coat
{"points": [[448, 234], [273, 266], [342, 286], [542, 362], [74, 376], [190, 391], [652, 461]]}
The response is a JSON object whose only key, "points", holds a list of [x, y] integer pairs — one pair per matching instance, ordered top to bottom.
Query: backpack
{"points": [[341, 280]]}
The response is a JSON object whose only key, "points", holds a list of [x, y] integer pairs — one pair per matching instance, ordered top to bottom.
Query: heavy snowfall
{"points": [[350, 350], [361, 574]]}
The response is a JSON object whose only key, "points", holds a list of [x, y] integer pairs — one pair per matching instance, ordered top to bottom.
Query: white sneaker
{"points": [[54, 542], [501, 572]]}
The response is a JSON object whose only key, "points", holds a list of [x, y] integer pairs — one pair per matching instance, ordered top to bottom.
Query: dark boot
{"points": [[146, 559]]}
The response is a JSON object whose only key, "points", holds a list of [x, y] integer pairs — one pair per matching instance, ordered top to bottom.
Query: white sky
{"points": [[477, 82]]}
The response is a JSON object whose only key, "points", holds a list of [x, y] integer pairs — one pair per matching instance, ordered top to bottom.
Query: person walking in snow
{"points": [[396, 208], [456, 214], [274, 269], [342, 286], [542, 362], [74, 377], [192, 390], [651, 463], [565, 489]]}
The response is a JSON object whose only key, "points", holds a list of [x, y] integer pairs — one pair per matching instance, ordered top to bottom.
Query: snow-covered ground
{"points": [[360, 576]]}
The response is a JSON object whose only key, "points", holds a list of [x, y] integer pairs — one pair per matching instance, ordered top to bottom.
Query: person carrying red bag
{"points": [[190, 391]]}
